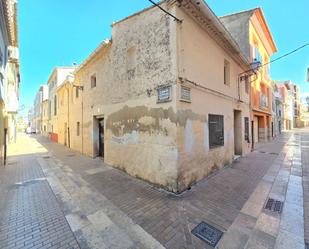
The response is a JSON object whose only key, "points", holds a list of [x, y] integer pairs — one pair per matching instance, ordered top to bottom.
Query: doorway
{"points": [[65, 133], [237, 133], [98, 136]]}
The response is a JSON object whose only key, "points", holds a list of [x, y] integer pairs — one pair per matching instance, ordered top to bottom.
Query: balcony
{"points": [[263, 101]]}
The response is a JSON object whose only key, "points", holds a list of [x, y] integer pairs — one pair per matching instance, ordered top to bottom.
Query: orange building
{"points": [[250, 30]]}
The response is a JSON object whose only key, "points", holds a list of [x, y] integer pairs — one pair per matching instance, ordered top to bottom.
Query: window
{"points": [[131, 58], [226, 72], [93, 80], [76, 92], [164, 94], [185, 94], [55, 105], [44, 127], [78, 128], [247, 129], [216, 130]]}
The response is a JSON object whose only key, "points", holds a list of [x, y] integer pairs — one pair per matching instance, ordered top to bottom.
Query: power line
{"points": [[165, 11], [285, 55], [279, 58]]}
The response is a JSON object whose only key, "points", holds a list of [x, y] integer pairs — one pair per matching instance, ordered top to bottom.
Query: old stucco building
{"points": [[162, 99]]}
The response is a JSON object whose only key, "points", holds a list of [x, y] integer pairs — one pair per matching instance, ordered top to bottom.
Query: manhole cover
{"points": [[70, 155], [46, 157], [274, 205], [207, 233]]}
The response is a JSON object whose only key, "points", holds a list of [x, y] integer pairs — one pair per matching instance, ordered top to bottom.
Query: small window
{"points": [[131, 58], [226, 72], [93, 80], [76, 92], [164, 94], [185, 94], [44, 127], [78, 128], [216, 130], [247, 130]]}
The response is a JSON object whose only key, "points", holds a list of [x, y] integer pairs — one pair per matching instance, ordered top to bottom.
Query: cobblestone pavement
{"points": [[106, 208], [30, 216]]}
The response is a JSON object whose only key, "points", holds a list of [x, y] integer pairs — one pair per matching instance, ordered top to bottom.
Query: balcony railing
{"points": [[264, 101]]}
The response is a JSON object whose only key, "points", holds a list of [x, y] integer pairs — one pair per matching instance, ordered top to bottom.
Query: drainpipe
{"points": [[5, 145]]}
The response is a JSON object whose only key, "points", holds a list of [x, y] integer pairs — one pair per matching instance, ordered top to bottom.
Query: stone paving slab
{"points": [[30, 214], [167, 218]]}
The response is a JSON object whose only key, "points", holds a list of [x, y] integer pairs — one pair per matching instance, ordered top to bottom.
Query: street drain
{"points": [[12, 163], [274, 205], [207, 233]]}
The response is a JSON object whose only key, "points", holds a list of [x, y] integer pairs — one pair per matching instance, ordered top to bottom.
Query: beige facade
{"points": [[9, 74], [162, 100]]}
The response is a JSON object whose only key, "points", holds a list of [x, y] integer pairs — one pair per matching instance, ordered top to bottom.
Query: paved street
{"points": [[53, 197]]}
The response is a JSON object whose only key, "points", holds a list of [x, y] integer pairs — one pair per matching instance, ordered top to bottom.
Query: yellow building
{"points": [[250, 30], [9, 74]]}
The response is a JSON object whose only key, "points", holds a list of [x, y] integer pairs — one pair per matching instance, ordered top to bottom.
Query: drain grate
{"points": [[274, 153], [70, 155], [46, 157], [274, 205], [207, 233]]}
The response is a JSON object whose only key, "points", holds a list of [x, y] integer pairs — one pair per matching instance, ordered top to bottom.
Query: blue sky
{"points": [[56, 32]]}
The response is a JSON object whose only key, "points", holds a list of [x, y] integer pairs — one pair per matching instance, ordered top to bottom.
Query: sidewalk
{"points": [[106, 208], [30, 216], [163, 217]]}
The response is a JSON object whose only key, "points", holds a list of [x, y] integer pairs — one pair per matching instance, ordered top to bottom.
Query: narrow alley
{"points": [[54, 197]]}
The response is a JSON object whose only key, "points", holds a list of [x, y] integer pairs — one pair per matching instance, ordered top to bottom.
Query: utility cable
{"points": [[165, 11]]}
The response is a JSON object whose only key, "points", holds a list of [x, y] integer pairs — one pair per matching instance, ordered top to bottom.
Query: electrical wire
{"points": [[165, 11], [279, 58]]}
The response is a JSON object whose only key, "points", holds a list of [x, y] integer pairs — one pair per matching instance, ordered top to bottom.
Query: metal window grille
{"points": [[164, 94], [185, 94], [247, 129], [216, 130]]}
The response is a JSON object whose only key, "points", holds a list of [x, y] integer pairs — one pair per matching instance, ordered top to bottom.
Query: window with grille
{"points": [[93, 80], [164, 94], [185, 94], [247, 129], [216, 130]]}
